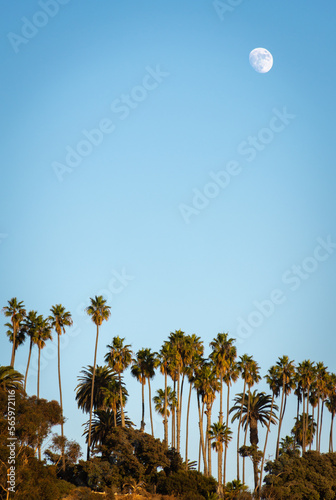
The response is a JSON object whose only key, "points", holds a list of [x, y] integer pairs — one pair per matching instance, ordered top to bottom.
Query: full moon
{"points": [[261, 60]]}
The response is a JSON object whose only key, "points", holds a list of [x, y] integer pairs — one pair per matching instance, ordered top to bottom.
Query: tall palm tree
{"points": [[16, 312], [99, 312], [59, 319], [30, 326], [43, 333], [178, 342], [195, 353], [221, 354], [119, 357], [164, 357], [243, 365], [143, 368], [305, 374], [231, 375], [286, 375], [252, 377], [10, 379], [272, 379], [206, 381], [321, 383], [200, 386], [331, 405], [259, 411], [220, 435]]}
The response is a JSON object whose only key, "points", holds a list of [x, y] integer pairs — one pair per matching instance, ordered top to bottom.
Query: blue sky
{"points": [[114, 224]]}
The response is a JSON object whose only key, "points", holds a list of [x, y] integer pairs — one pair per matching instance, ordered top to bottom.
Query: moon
{"points": [[261, 60]]}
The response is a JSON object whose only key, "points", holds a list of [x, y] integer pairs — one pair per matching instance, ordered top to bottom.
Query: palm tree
{"points": [[16, 311], [99, 312], [59, 319], [30, 326], [43, 333], [20, 334], [178, 343], [195, 353], [221, 355], [119, 357], [164, 357], [243, 366], [143, 369], [286, 374], [231, 375], [251, 376], [305, 376], [272, 378], [10, 379], [206, 383], [321, 384], [200, 386], [106, 394], [159, 402], [331, 405], [259, 411], [102, 423], [304, 430], [220, 435], [289, 446], [234, 488]]}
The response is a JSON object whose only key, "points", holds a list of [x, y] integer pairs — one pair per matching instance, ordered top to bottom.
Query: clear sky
{"points": [[145, 160]]}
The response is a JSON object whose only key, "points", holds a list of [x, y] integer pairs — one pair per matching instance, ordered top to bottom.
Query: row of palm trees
{"points": [[39, 331], [181, 360]]}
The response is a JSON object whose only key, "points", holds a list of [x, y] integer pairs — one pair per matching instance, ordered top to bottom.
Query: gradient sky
{"points": [[69, 237]]}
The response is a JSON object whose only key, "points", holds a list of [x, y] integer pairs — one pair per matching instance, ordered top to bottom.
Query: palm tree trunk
{"points": [[14, 342], [28, 363], [38, 372], [92, 389], [38, 394], [221, 399], [61, 402], [121, 402], [150, 406], [322, 406], [178, 409], [165, 412], [208, 413], [307, 414], [297, 415], [280, 420], [173, 421], [247, 422], [318, 422], [200, 423], [303, 423], [239, 424], [142, 425], [227, 425], [187, 426], [331, 433], [312, 437], [266, 438], [199, 456], [219, 471]]}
